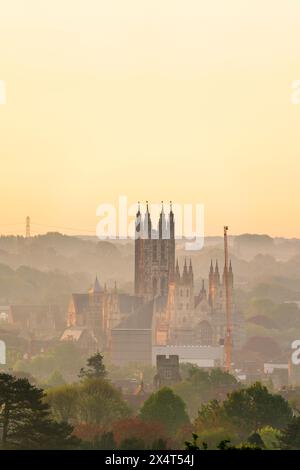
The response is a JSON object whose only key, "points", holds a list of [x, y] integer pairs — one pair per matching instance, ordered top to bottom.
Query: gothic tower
{"points": [[154, 254]]}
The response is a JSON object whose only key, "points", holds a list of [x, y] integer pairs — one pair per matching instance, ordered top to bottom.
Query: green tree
{"points": [[65, 358], [95, 368], [54, 380], [200, 386], [63, 401], [93, 401], [99, 402], [165, 407], [254, 407], [245, 411], [211, 416], [25, 418], [290, 435], [213, 437], [270, 437], [194, 445], [222, 445]]}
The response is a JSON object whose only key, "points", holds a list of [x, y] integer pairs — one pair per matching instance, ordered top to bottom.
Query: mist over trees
{"points": [[47, 268], [71, 396]]}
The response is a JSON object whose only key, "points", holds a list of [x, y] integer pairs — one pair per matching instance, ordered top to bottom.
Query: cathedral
{"points": [[165, 310]]}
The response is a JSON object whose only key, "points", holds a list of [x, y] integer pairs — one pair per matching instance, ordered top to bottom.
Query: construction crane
{"points": [[228, 337]]}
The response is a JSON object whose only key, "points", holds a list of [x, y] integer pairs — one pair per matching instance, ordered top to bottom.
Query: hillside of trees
{"points": [[216, 412]]}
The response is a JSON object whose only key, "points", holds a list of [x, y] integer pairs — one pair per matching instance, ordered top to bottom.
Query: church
{"points": [[165, 310], [172, 314]]}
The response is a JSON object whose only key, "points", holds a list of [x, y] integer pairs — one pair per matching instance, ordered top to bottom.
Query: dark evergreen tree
{"points": [[95, 368], [25, 418], [290, 435]]}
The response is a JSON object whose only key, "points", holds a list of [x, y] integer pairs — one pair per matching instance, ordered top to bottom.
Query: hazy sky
{"points": [[187, 100]]}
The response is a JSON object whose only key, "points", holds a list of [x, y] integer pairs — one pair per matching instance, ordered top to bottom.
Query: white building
{"points": [[202, 356]]}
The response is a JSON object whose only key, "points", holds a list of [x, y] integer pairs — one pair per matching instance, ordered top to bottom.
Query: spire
{"points": [[138, 214], [171, 222], [138, 223], [147, 225], [162, 226], [217, 267], [185, 275], [211, 284], [97, 288], [202, 294]]}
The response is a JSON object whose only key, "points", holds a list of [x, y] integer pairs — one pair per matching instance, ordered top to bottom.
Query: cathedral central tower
{"points": [[154, 254]]}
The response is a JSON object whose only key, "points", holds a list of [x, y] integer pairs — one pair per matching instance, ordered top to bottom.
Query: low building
{"points": [[202, 356]]}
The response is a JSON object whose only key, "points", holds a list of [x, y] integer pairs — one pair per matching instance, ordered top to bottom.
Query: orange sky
{"points": [[162, 99]]}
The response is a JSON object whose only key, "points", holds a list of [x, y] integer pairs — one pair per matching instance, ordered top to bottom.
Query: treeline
{"points": [[92, 414]]}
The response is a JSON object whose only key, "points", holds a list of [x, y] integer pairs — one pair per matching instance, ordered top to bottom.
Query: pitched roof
{"points": [[129, 303], [141, 319], [73, 334]]}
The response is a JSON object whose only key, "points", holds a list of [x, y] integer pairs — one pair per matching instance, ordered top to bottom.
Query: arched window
{"points": [[154, 286]]}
